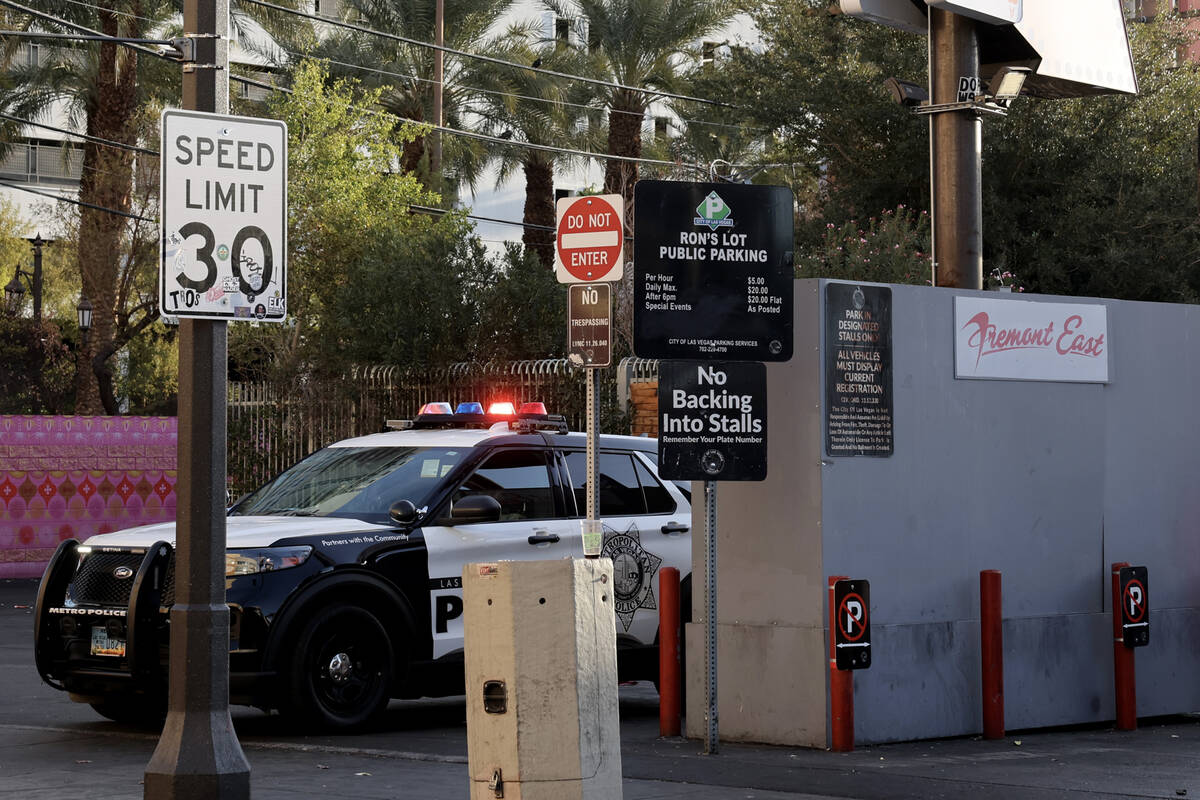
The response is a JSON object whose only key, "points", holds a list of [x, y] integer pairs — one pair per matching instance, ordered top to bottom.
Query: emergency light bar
{"points": [[526, 419]]}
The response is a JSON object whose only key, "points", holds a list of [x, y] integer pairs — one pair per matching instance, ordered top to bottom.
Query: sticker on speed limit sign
{"points": [[223, 219]]}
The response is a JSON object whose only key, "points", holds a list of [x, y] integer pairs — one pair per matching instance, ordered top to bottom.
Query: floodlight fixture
{"points": [[1008, 82], [907, 93]]}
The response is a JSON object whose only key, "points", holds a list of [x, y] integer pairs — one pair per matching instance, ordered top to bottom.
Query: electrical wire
{"points": [[68, 24], [488, 59], [430, 80], [499, 93], [442, 129], [84, 136], [482, 136], [76, 202], [530, 225]]}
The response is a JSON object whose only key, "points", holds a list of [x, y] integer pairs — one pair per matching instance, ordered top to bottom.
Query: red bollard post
{"points": [[668, 652], [991, 653], [1123, 673], [841, 685]]}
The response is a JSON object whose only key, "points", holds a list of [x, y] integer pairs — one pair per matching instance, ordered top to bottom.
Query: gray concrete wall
{"points": [[1047, 482]]}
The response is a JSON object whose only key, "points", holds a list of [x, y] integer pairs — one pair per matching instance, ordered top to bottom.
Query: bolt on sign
{"points": [[223, 217], [590, 241], [713, 275], [589, 324], [712, 421], [1135, 606], [852, 636]]}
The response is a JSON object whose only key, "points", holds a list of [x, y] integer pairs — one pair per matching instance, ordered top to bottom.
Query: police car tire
{"points": [[341, 673], [133, 710]]}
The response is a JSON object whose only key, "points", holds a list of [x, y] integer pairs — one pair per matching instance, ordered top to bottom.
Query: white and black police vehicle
{"points": [[343, 574]]}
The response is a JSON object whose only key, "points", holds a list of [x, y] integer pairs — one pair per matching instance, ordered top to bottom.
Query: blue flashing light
{"points": [[469, 408]]}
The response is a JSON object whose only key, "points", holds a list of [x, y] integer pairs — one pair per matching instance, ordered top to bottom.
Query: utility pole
{"points": [[439, 65], [955, 165], [37, 242], [198, 755]]}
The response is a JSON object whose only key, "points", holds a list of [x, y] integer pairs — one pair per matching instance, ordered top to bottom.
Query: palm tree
{"points": [[638, 44], [405, 72], [103, 87], [538, 109]]}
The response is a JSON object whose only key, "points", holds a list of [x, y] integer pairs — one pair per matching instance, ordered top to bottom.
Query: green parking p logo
{"points": [[713, 212]]}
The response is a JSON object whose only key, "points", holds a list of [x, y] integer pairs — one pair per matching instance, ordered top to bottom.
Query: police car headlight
{"points": [[264, 559]]}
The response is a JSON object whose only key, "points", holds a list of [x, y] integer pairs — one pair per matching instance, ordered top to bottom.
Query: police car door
{"points": [[534, 524], [646, 527]]}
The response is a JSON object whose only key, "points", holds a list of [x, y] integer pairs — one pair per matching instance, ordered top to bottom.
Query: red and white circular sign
{"points": [[590, 240]]}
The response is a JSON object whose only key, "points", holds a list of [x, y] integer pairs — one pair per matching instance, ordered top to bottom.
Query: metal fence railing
{"points": [[270, 427]]}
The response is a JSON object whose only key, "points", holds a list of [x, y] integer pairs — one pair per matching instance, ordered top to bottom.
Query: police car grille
{"points": [[95, 584]]}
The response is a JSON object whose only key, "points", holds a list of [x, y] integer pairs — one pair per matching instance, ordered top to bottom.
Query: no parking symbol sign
{"points": [[852, 633]]}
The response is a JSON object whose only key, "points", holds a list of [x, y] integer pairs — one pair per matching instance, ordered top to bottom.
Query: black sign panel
{"points": [[713, 274], [589, 324], [858, 370], [712, 421], [1135, 606], [852, 634]]}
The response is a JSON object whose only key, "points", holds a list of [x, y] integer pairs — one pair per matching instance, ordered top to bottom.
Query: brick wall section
{"points": [[643, 397], [72, 477]]}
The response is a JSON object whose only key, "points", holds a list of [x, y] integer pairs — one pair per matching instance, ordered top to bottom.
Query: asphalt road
{"points": [[51, 748]]}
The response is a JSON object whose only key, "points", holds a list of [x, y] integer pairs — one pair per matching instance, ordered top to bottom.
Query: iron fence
{"points": [[273, 426]]}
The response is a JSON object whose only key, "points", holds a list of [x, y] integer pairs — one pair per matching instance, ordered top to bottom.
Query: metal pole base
{"points": [[198, 755]]}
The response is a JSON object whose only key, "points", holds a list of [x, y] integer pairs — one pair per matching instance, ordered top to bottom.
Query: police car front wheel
{"points": [[341, 674]]}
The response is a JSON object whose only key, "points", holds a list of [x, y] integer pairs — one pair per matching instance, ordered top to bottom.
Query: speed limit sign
{"points": [[223, 220]]}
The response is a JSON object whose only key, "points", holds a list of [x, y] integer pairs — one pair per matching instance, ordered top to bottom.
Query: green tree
{"points": [[645, 44], [404, 73], [539, 109], [1097, 196], [363, 269]]}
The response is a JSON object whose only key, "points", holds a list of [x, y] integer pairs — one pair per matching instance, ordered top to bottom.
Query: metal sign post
{"points": [[593, 531], [711, 736], [198, 754]]}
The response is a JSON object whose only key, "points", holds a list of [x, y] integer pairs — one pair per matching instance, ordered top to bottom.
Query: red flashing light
{"points": [[436, 408], [533, 408], [501, 409]]}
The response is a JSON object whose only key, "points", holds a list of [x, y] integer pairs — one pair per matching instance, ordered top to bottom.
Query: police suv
{"points": [[343, 574]]}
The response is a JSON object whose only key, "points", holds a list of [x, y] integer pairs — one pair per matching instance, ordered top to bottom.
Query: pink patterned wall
{"points": [[63, 477]]}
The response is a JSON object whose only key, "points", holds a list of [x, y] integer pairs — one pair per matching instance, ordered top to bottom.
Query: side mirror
{"points": [[474, 508], [403, 512]]}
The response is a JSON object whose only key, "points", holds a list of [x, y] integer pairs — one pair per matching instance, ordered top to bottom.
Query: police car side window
{"points": [[518, 480], [620, 491], [658, 499]]}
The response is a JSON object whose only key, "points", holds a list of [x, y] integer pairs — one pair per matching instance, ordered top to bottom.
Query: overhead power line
{"points": [[68, 24], [488, 59], [483, 136], [98, 140], [105, 209]]}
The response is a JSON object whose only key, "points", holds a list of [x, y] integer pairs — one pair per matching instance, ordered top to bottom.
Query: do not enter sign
{"points": [[590, 240]]}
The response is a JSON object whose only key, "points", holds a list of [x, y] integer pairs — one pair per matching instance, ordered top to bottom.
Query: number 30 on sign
{"points": [[223, 220]]}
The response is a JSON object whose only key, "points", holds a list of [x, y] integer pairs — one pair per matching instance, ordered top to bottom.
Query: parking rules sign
{"points": [[223, 217], [590, 240]]}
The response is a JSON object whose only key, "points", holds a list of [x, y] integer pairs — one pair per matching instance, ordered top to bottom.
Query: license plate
{"points": [[103, 645]]}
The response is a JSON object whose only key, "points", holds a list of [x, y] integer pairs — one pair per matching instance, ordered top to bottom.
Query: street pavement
{"points": [[51, 748]]}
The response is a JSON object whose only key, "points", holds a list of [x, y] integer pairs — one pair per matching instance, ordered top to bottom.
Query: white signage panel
{"points": [[996, 12], [902, 14], [1082, 41], [223, 220], [1030, 341]]}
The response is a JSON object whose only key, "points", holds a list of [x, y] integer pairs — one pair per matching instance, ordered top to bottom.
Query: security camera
{"points": [[906, 93]]}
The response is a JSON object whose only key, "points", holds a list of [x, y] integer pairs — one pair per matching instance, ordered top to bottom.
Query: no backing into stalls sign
{"points": [[712, 421]]}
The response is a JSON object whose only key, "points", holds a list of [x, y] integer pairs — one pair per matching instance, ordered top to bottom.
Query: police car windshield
{"points": [[357, 482]]}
